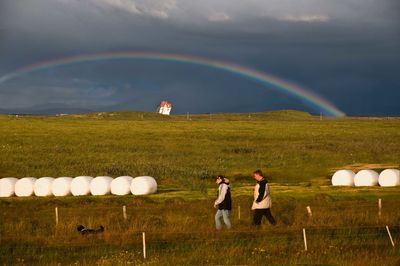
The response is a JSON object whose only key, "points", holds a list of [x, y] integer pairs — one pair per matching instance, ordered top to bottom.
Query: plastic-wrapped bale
{"points": [[343, 178], [366, 178], [389, 178], [80, 185], [101, 185], [121, 185], [143, 185], [7, 186], [24, 186], [61, 186], [42, 187]]}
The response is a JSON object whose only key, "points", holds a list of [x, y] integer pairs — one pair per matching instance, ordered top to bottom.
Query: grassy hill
{"points": [[146, 116], [290, 146], [296, 150]]}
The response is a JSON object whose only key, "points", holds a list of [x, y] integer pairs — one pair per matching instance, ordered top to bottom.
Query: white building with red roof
{"points": [[164, 108]]}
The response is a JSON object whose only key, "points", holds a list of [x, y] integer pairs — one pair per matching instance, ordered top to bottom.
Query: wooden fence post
{"points": [[379, 207], [309, 211], [56, 212], [124, 212], [390, 235], [305, 239], [144, 244]]}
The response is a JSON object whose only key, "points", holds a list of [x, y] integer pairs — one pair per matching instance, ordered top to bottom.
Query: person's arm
{"points": [[261, 191], [221, 194]]}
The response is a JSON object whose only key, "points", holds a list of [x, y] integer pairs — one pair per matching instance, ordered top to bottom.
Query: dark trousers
{"points": [[259, 213]]}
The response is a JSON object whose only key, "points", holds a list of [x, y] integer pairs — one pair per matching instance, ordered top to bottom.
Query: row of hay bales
{"points": [[367, 178], [78, 186]]}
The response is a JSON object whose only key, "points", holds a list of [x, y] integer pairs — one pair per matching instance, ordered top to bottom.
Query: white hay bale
{"points": [[343, 178], [366, 178], [389, 178], [80, 185], [101, 185], [121, 185], [143, 185], [7, 186], [24, 186], [61, 186], [42, 187]]}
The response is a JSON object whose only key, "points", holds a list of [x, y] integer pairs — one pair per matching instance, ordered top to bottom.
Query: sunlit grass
{"points": [[297, 151]]}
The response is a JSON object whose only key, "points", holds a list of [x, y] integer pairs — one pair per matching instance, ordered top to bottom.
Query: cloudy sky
{"points": [[347, 52]]}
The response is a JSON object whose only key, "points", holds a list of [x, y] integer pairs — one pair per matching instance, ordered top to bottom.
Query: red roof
{"points": [[165, 104]]}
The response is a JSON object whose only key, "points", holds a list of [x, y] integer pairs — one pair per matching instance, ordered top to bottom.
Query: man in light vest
{"points": [[262, 200], [223, 202]]}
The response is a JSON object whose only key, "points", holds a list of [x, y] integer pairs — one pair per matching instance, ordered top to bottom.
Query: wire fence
{"points": [[301, 234]]}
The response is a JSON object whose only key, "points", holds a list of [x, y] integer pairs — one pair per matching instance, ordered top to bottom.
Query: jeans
{"points": [[259, 213], [225, 215]]}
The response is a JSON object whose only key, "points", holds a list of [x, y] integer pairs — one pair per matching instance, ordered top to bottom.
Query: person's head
{"points": [[258, 175], [220, 179]]}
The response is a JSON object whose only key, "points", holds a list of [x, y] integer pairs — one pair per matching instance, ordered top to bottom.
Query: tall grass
{"points": [[181, 232]]}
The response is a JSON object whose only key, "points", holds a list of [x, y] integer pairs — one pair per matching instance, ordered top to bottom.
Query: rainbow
{"points": [[311, 99]]}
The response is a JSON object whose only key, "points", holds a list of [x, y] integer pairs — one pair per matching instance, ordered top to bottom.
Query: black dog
{"points": [[86, 231]]}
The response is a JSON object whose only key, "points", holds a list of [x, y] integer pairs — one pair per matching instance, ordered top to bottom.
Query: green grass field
{"points": [[298, 152]]}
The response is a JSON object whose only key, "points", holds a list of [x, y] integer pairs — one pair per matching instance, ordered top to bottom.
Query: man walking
{"points": [[262, 200], [223, 202]]}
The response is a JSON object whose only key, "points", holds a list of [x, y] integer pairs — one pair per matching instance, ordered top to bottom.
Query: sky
{"points": [[347, 52]]}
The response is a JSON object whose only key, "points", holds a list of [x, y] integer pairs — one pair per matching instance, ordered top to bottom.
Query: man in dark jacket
{"points": [[262, 200], [223, 202]]}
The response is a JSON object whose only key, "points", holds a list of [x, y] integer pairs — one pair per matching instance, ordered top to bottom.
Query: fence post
{"points": [[379, 207], [309, 211], [56, 212], [124, 212], [239, 212], [390, 235], [305, 239], [144, 244]]}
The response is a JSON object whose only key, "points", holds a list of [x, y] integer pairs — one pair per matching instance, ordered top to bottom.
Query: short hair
{"points": [[258, 172], [221, 177]]}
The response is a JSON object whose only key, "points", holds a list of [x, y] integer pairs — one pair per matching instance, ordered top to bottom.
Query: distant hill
{"points": [[46, 109], [54, 109], [134, 115], [279, 115]]}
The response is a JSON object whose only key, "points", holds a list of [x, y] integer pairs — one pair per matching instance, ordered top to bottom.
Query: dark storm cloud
{"points": [[346, 52]]}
